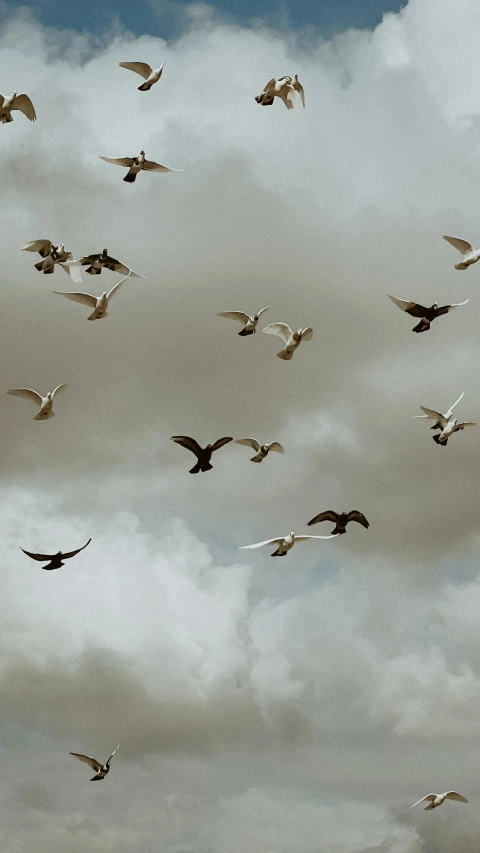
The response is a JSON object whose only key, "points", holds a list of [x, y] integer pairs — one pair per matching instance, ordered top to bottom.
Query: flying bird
{"points": [[150, 75], [285, 88], [16, 102], [136, 164], [52, 255], [470, 255], [95, 264], [98, 303], [428, 315], [249, 323], [292, 340], [46, 403], [440, 420], [452, 426], [261, 450], [203, 454], [341, 519], [285, 543], [55, 559], [101, 770], [436, 800]]}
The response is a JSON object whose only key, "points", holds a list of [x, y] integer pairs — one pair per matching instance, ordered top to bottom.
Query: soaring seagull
{"points": [[55, 559]]}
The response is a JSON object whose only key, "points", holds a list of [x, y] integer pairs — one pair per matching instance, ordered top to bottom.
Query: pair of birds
{"points": [[286, 88], [16, 102], [94, 263], [292, 340], [447, 424], [204, 454], [286, 543], [55, 561]]}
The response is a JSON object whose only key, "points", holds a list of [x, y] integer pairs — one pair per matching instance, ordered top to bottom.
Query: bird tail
{"points": [[144, 87], [130, 178], [39, 266], [461, 266], [94, 270], [92, 316], [423, 326], [246, 332], [285, 354], [40, 416], [437, 439], [256, 458], [206, 466], [196, 468], [278, 553], [97, 778]]}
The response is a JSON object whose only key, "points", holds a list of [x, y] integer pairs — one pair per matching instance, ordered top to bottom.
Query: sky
{"points": [[292, 706]]}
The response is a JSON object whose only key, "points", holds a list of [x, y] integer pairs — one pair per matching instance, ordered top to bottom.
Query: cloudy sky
{"points": [[293, 707]]}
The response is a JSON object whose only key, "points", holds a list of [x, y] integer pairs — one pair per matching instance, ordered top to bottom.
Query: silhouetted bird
{"points": [[203, 454], [341, 519], [55, 559], [100, 769]]}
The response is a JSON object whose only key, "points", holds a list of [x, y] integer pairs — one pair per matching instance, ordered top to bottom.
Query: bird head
{"points": [[14, 94], [142, 153], [60, 248], [104, 253], [435, 305], [297, 335], [208, 446], [292, 534]]}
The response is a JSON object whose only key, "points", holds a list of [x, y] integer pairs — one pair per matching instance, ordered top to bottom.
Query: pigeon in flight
{"points": [[150, 75], [285, 88], [16, 102], [136, 164], [52, 255], [470, 255], [95, 264], [98, 303], [428, 315], [249, 323], [292, 340], [46, 403], [440, 420], [452, 426], [261, 450], [203, 454], [340, 519], [285, 543], [55, 559], [101, 770], [436, 800]]}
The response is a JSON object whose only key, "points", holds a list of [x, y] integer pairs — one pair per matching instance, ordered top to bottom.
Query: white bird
{"points": [[150, 75], [285, 88], [16, 102], [136, 164], [52, 255], [470, 255], [98, 303], [249, 323], [292, 340], [46, 403], [440, 420], [452, 426], [261, 450], [285, 543], [101, 770], [436, 800]]}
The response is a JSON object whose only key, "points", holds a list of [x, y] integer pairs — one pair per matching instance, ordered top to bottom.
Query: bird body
{"points": [[150, 75], [285, 88], [16, 102], [136, 164], [470, 255], [95, 264], [98, 303], [427, 315], [249, 322], [292, 340], [45, 403], [440, 420], [452, 426], [262, 450], [203, 454], [341, 519], [284, 543], [55, 559], [101, 770], [435, 800]]}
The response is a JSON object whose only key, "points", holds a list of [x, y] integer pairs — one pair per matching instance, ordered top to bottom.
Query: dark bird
{"points": [[95, 264], [427, 315], [203, 454], [341, 519], [55, 559], [100, 769]]}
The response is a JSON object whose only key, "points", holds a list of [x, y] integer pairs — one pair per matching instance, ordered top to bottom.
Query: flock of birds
{"points": [[287, 89]]}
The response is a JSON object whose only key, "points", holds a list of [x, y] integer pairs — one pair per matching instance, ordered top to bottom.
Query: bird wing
{"points": [[139, 67], [299, 88], [287, 94], [1, 100], [24, 104], [118, 161], [151, 166], [463, 246], [43, 247], [116, 266], [72, 268], [116, 286], [84, 298], [412, 308], [446, 308], [259, 313], [235, 315], [281, 329], [307, 334], [59, 389], [27, 394], [462, 395], [431, 413], [465, 424], [187, 442], [220, 442], [249, 442], [276, 446], [328, 515], [355, 515], [304, 538], [259, 544], [72, 553], [40, 557], [113, 753], [94, 764], [452, 795], [430, 797]]}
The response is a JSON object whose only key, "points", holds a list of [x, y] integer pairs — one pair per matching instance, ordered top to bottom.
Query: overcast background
{"points": [[292, 707]]}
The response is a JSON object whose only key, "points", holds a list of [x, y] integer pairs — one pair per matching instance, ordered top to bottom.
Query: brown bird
{"points": [[427, 315], [203, 454], [341, 519], [55, 559]]}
